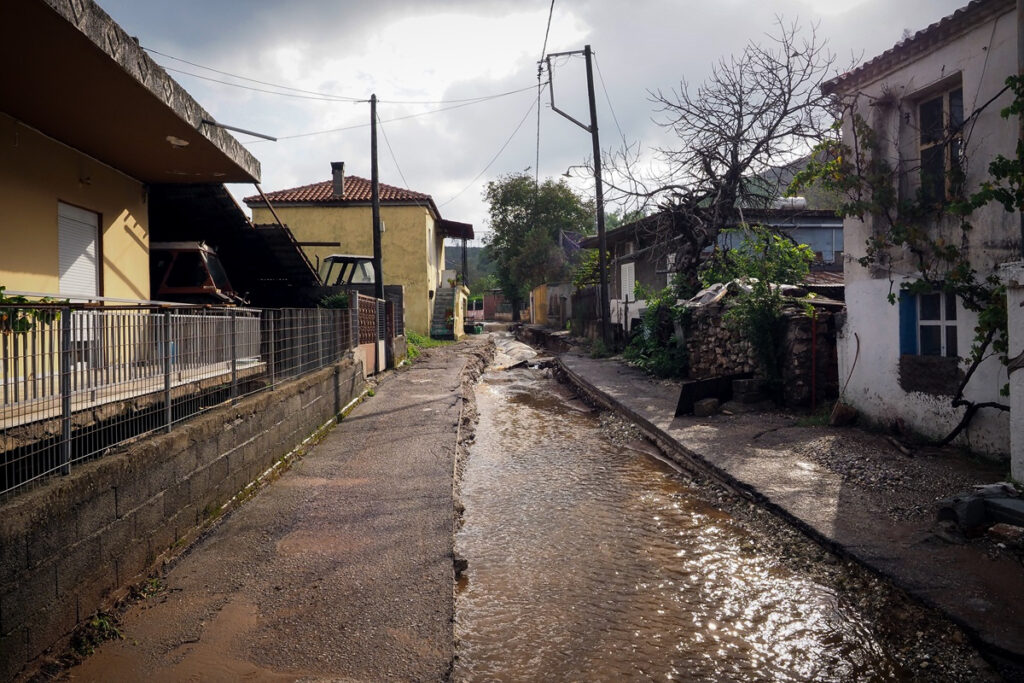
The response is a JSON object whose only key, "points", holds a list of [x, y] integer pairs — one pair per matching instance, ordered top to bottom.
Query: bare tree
{"points": [[757, 113]]}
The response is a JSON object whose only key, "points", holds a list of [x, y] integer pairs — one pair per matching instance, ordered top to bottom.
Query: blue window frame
{"points": [[928, 324]]}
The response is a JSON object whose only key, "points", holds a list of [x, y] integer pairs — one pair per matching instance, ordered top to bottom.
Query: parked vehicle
{"points": [[189, 272]]}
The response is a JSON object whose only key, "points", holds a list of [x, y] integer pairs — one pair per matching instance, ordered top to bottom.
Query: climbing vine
{"points": [[934, 231], [16, 318]]}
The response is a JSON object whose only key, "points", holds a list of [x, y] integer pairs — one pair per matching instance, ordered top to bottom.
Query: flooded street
{"points": [[590, 560]]}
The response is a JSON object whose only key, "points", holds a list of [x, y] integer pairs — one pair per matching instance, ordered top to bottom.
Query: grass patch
{"points": [[416, 343], [819, 418]]}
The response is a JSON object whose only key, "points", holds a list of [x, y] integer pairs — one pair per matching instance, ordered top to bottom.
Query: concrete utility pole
{"points": [[1020, 73], [602, 258]]}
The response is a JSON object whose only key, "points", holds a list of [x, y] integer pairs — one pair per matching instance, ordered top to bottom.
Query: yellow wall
{"points": [[35, 174], [412, 254], [539, 312]]}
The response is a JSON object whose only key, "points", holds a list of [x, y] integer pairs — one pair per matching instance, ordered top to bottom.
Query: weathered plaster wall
{"points": [[983, 58], [35, 174], [411, 252], [874, 387], [71, 546]]}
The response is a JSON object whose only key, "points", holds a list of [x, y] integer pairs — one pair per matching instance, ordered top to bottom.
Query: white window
{"points": [[78, 251], [627, 281]]}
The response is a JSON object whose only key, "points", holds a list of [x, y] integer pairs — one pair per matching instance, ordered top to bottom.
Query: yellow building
{"points": [[89, 126], [335, 216]]}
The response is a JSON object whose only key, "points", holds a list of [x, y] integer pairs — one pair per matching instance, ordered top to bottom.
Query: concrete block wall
{"points": [[71, 546]]}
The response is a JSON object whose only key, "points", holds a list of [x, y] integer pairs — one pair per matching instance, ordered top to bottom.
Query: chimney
{"points": [[338, 179]]}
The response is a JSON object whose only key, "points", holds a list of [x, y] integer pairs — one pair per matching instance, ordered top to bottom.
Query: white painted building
{"points": [[905, 360]]}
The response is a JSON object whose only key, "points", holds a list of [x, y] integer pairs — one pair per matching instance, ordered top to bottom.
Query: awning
{"points": [[72, 73], [456, 230]]}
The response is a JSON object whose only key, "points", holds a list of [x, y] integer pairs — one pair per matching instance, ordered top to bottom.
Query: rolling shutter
{"points": [[77, 243]]}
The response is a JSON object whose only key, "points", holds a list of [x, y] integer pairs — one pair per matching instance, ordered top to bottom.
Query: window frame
{"points": [[947, 139], [914, 319]]}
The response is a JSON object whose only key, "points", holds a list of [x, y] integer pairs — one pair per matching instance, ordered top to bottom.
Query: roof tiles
{"points": [[919, 43], [357, 190]]}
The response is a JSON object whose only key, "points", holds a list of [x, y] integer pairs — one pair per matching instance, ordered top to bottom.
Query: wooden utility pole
{"points": [[1020, 73], [375, 202], [602, 257]]}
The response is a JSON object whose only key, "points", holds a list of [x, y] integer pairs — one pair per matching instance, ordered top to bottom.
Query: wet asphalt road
{"points": [[340, 570]]}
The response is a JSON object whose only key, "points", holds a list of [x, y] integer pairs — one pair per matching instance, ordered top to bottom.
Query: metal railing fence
{"points": [[76, 380]]}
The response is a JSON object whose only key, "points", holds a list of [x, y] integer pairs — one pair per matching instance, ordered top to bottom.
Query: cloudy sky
{"points": [[430, 63]]}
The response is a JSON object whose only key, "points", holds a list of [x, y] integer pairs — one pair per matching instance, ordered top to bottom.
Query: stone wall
{"points": [[715, 349], [71, 546]]}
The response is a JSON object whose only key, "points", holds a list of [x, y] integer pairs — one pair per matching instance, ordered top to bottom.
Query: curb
{"points": [[695, 463]]}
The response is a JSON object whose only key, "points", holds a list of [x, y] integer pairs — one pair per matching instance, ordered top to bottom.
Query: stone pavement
{"points": [[769, 458], [341, 569]]}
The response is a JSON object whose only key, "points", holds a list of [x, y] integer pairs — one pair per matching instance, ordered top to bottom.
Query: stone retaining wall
{"points": [[715, 350], [73, 545]]}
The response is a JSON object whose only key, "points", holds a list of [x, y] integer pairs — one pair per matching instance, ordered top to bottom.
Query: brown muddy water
{"points": [[589, 561]]}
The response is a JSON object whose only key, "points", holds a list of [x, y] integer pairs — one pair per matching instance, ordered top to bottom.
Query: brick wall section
{"points": [[70, 546]]}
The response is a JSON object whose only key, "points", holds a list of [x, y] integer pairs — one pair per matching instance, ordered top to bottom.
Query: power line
{"points": [[540, 71], [246, 78], [309, 94], [328, 98], [608, 99], [397, 118], [392, 153], [494, 158]]}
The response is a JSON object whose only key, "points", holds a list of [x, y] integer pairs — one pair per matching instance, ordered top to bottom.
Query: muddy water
{"points": [[590, 561]]}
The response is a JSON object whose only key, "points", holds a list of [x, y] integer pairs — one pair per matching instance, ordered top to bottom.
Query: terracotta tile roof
{"points": [[921, 42], [357, 191]]}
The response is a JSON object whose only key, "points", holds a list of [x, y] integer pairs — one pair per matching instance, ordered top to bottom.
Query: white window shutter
{"points": [[77, 243]]}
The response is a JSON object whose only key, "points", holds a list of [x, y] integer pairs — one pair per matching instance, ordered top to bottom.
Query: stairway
{"points": [[444, 305]]}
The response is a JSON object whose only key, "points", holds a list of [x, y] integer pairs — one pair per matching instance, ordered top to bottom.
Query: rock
{"points": [[705, 407], [1008, 533], [460, 563]]}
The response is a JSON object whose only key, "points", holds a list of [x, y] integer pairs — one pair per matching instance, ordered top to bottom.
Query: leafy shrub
{"points": [[339, 300]]}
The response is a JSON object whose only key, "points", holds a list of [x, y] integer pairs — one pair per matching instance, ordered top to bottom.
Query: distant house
{"points": [[925, 101], [92, 129], [334, 216], [639, 255]]}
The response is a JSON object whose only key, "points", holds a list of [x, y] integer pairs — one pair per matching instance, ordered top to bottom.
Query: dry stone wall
{"points": [[716, 349]]}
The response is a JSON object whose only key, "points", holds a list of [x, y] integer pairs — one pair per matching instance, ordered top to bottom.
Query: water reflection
{"points": [[590, 561]]}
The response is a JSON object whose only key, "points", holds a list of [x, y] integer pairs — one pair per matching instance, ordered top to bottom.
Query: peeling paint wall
{"points": [[869, 349]]}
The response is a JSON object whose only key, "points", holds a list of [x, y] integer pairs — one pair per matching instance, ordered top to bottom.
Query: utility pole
{"points": [[1020, 73], [375, 201], [602, 258], [378, 272]]}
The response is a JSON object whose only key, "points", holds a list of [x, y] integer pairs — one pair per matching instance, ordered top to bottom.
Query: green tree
{"points": [[526, 220], [767, 259]]}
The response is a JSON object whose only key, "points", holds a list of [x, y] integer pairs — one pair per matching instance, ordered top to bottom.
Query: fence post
{"points": [[319, 338], [354, 341], [272, 351], [234, 356], [167, 370], [65, 390]]}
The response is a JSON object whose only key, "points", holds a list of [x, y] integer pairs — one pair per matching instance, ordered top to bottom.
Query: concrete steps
{"points": [[444, 301]]}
